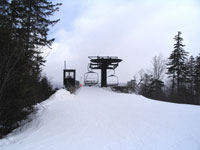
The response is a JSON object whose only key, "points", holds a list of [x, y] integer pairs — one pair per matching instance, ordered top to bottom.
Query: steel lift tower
{"points": [[104, 63]]}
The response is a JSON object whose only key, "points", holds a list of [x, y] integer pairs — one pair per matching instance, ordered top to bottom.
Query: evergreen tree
{"points": [[24, 28], [176, 64], [189, 79], [197, 79], [145, 85], [151, 87], [156, 89]]}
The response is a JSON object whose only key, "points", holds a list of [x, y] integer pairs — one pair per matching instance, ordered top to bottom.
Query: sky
{"points": [[132, 30]]}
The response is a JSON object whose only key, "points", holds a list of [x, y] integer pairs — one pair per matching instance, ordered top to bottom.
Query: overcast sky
{"points": [[133, 30]]}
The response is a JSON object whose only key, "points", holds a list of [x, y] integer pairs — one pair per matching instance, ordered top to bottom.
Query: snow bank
{"points": [[99, 119]]}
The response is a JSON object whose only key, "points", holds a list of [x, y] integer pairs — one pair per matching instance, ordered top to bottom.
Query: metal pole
{"points": [[65, 64], [104, 76]]}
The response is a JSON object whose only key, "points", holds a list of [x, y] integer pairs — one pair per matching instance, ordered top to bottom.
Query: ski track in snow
{"points": [[99, 119]]}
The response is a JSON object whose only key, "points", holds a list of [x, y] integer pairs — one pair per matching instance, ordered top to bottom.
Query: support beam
{"points": [[104, 77]]}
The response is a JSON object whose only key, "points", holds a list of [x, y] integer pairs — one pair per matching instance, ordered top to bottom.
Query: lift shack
{"points": [[69, 79]]}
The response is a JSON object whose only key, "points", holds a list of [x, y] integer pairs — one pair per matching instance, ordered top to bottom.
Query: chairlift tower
{"points": [[104, 63]]}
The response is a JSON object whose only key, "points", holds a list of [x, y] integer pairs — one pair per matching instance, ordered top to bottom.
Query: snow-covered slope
{"points": [[99, 119]]}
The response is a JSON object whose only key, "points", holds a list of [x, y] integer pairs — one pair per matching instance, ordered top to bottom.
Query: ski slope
{"points": [[99, 119]]}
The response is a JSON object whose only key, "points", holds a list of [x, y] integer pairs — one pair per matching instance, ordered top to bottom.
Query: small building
{"points": [[69, 79]]}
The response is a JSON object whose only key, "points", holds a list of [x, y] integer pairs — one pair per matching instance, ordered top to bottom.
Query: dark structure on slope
{"points": [[102, 63], [69, 78]]}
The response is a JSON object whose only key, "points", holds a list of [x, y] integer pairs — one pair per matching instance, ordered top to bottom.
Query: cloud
{"points": [[132, 30]]}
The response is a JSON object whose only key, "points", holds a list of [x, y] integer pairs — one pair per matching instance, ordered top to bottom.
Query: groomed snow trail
{"points": [[99, 119]]}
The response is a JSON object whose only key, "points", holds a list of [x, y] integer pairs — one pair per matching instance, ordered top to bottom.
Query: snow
{"points": [[99, 119]]}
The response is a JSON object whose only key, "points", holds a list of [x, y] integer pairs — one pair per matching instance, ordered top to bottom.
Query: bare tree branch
{"points": [[158, 67]]}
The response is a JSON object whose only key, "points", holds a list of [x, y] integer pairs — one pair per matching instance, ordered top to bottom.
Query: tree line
{"points": [[24, 27], [182, 84]]}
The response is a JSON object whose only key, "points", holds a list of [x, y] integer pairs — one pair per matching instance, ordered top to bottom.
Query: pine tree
{"points": [[24, 28], [176, 64], [189, 75], [197, 79], [145, 85], [151, 87]]}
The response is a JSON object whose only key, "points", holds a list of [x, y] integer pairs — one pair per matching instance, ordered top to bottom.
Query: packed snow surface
{"points": [[99, 119]]}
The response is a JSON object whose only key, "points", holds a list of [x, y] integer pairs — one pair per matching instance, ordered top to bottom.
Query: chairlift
{"points": [[91, 78], [112, 80]]}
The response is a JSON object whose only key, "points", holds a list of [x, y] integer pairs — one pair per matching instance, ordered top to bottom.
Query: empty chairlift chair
{"points": [[91, 78], [112, 80]]}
